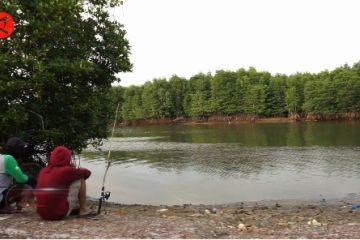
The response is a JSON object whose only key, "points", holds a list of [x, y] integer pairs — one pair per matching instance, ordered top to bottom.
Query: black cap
{"points": [[15, 147]]}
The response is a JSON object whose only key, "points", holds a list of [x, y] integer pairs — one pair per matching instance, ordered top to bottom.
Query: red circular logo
{"points": [[7, 25]]}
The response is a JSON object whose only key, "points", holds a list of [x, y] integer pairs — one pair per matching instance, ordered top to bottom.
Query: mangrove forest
{"points": [[326, 95]]}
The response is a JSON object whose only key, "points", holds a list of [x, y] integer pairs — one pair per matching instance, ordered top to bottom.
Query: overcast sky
{"points": [[185, 37]]}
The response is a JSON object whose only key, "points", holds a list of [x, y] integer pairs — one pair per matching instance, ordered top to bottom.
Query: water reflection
{"points": [[277, 134], [238, 161], [207, 164]]}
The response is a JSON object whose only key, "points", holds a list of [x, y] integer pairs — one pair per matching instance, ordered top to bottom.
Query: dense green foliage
{"points": [[57, 68], [244, 92]]}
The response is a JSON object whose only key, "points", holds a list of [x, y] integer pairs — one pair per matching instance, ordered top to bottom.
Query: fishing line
{"points": [[106, 194]]}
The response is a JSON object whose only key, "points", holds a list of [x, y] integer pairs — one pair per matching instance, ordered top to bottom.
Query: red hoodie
{"points": [[53, 184]]}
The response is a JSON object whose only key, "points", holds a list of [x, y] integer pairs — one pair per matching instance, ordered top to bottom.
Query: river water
{"points": [[212, 164]]}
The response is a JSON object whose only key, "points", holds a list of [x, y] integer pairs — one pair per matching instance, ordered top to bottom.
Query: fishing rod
{"points": [[106, 194]]}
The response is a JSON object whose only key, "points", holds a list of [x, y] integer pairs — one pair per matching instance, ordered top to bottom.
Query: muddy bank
{"points": [[351, 116], [244, 118], [271, 219]]}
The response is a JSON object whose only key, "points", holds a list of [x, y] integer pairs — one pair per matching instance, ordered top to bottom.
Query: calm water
{"points": [[228, 163]]}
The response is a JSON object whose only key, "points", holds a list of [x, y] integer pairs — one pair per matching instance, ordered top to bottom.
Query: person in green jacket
{"points": [[12, 178]]}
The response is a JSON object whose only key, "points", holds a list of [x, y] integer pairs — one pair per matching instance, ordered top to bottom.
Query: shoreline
{"points": [[240, 120], [349, 199], [329, 218]]}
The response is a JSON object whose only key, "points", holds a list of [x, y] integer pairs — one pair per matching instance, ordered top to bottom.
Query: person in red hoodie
{"points": [[61, 187]]}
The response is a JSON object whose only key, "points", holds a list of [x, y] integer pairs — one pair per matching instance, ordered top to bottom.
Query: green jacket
{"points": [[10, 170]]}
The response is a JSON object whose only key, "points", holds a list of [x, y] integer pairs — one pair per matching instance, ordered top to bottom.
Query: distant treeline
{"points": [[242, 92]]}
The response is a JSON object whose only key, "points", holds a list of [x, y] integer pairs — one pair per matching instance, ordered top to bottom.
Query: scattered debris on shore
{"points": [[281, 219]]}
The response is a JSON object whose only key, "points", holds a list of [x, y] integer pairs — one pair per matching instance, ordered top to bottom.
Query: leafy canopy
{"points": [[57, 68]]}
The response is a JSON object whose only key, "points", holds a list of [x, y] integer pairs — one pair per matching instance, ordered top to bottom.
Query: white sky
{"points": [[185, 37]]}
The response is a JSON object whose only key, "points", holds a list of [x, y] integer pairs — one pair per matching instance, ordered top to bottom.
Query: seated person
{"points": [[12, 178], [61, 187]]}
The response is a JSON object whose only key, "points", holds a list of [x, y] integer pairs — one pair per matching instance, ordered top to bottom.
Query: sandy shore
{"points": [[272, 219]]}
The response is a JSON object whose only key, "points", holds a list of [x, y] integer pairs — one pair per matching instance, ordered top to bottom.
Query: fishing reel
{"points": [[104, 196]]}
